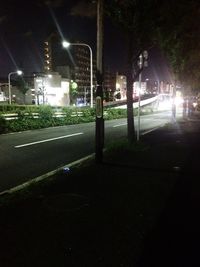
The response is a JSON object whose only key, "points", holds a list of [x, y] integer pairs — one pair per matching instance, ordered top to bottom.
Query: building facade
{"points": [[73, 63], [121, 86], [51, 89]]}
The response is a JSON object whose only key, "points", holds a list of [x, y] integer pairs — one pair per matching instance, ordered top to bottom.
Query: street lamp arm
{"points": [[19, 72], [11, 73]]}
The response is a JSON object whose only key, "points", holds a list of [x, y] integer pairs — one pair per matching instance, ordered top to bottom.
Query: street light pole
{"points": [[66, 45], [19, 72], [99, 127]]}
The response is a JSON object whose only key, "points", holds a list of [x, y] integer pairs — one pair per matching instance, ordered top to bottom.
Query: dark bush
{"points": [[3, 125]]}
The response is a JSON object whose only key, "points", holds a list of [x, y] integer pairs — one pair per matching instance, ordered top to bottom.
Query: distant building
{"points": [[72, 63], [109, 85], [121, 86], [51, 89], [137, 89], [3, 92], [18, 96]]}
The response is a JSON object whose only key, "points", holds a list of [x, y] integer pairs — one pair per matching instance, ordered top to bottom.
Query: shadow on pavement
{"points": [[175, 238]]}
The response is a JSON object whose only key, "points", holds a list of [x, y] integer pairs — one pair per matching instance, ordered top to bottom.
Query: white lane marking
{"points": [[118, 125], [48, 140]]}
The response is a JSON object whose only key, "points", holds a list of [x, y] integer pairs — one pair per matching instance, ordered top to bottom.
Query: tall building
{"points": [[47, 56], [72, 63]]}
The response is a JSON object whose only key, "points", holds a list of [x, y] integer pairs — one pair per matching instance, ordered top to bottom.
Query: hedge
{"points": [[46, 116]]}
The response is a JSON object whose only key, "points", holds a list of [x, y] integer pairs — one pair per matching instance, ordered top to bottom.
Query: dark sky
{"points": [[24, 25]]}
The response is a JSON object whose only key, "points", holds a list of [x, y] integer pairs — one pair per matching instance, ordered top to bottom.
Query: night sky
{"points": [[24, 25]]}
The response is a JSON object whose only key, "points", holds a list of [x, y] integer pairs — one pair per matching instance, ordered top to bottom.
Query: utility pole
{"points": [[99, 92]]}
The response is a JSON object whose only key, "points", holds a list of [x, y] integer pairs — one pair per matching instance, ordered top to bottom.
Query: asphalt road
{"points": [[29, 154]]}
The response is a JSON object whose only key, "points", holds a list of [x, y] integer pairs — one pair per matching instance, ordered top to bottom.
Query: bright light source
{"points": [[65, 44], [19, 72], [38, 80], [74, 85], [117, 86], [178, 100], [194, 104]]}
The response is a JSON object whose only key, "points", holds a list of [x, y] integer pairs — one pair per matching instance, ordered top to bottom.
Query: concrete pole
{"points": [[99, 137]]}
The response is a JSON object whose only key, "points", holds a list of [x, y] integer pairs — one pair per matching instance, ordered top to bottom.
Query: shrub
{"points": [[3, 125]]}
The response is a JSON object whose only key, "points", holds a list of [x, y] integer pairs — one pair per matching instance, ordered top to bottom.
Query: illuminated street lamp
{"points": [[67, 45], [18, 72]]}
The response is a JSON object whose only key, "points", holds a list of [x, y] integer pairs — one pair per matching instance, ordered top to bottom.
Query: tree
{"points": [[136, 19], [170, 25], [178, 34], [23, 87], [73, 92]]}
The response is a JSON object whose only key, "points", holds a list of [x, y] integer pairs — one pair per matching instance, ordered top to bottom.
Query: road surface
{"points": [[29, 154]]}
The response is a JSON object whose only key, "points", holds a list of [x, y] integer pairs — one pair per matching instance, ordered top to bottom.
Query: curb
{"points": [[51, 173], [46, 175]]}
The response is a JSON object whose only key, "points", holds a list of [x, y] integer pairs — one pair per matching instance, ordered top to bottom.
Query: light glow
{"points": [[65, 44], [19, 72], [117, 86], [179, 100]]}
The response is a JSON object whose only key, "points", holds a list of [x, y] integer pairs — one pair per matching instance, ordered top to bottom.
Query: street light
{"points": [[67, 45], [18, 72]]}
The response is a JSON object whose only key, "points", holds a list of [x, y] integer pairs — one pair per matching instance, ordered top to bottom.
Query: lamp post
{"points": [[66, 45], [19, 72]]}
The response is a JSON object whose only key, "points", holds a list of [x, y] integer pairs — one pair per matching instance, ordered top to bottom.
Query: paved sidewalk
{"points": [[139, 208], [175, 238]]}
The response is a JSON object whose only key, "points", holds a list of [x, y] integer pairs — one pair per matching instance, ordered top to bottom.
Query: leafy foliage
{"points": [[136, 18], [171, 25], [178, 34], [22, 85], [73, 92], [36, 117], [3, 124]]}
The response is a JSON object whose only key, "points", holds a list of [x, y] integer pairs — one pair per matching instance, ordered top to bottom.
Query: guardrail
{"points": [[143, 102], [59, 114], [14, 116]]}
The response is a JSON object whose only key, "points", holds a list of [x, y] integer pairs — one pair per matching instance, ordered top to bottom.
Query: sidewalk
{"points": [[139, 208], [174, 240]]}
